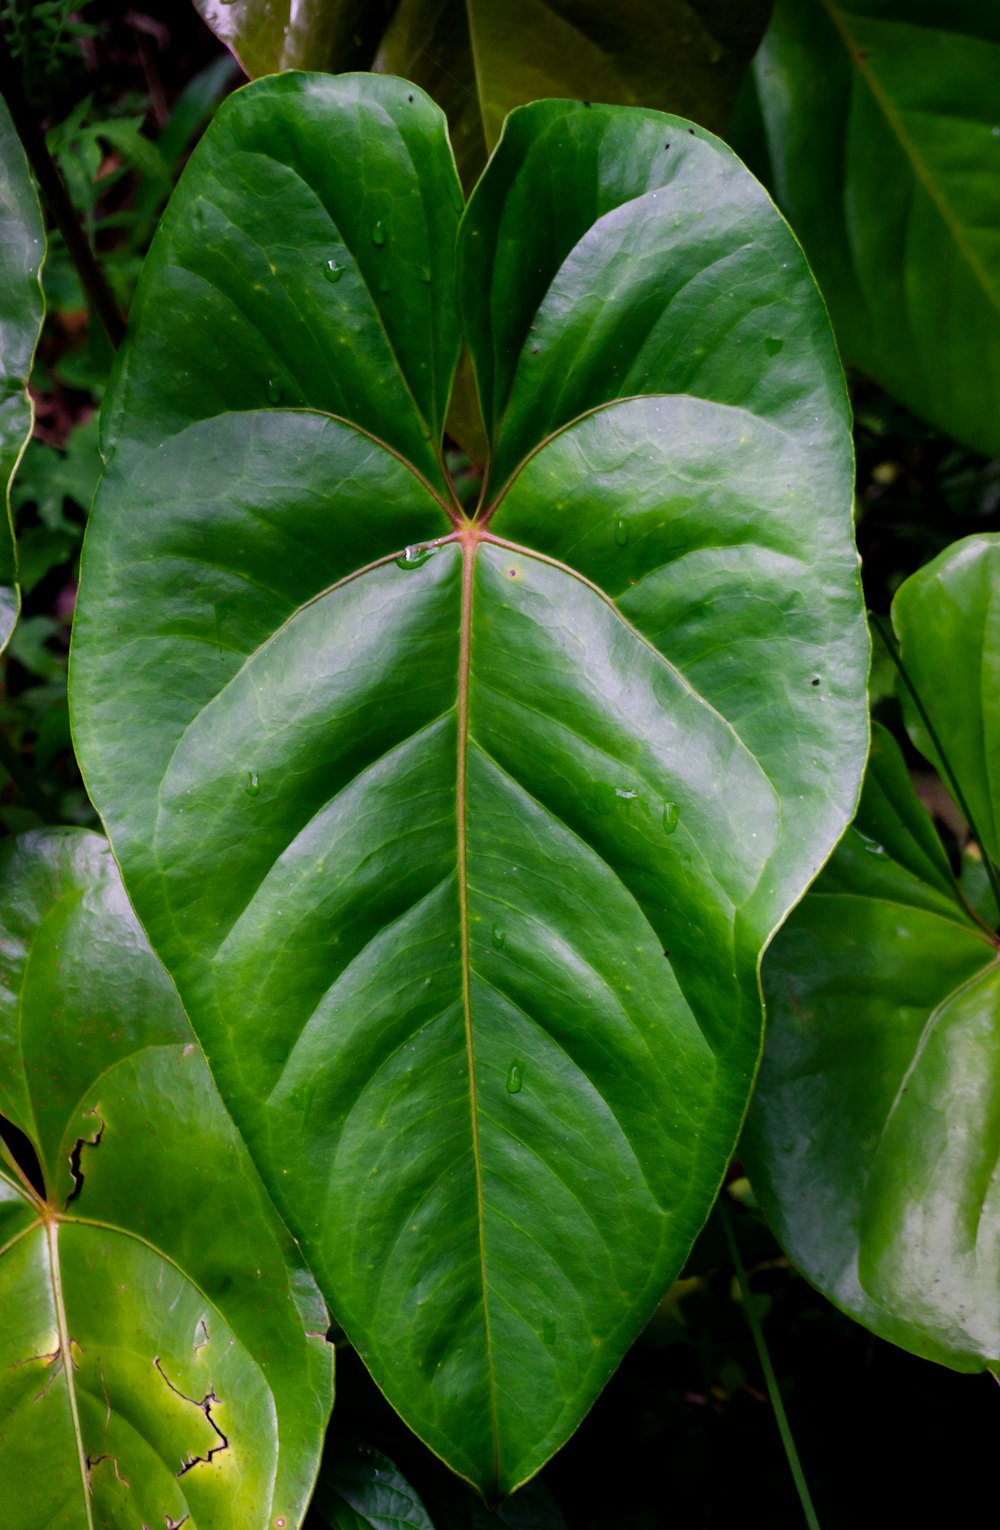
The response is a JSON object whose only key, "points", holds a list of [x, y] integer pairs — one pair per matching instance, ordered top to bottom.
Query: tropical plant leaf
{"points": [[479, 60], [883, 127], [22, 306], [947, 618], [462, 837], [874, 1131], [155, 1363], [361, 1489]]}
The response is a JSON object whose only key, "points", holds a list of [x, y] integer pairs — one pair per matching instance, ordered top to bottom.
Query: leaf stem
{"points": [[54, 191], [949, 774], [781, 1418]]}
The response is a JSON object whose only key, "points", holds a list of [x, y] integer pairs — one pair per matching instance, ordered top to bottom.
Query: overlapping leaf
{"points": [[479, 59], [883, 125], [22, 251], [462, 837], [874, 1134], [155, 1364], [361, 1489]]}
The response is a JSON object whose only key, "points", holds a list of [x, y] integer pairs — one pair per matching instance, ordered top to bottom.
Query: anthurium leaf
{"points": [[480, 60], [883, 127], [22, 251], [947, 619], [461, 838], [875, 1126], [162, 1354], [361, 1489]]}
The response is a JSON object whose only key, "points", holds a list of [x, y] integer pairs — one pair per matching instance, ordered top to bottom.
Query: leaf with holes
{"points": [[883, 126], [22, 251], [462, 836], [874, 1134], [155, 1364]]}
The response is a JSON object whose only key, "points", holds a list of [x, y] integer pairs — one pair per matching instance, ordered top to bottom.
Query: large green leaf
{"points": [[479, 59], [883, 125], [22, 251], [462, 838], [874, 1132], [162, 1353]]}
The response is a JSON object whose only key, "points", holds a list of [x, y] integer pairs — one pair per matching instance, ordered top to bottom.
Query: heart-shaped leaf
{"points": [[479, 60], [883, 126], [22, 251], [462, 837], [874, 1132], [155, 1364]]}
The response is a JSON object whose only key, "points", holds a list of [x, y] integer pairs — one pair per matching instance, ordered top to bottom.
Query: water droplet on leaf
{"points": [[378, 233], [332, 271], [273, 390], [621, 530], [413, 557], [252, 787], [671, 814], [499, 938], [515, 1078]]}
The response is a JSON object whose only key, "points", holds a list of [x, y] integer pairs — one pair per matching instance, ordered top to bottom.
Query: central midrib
{"points": [[469, 544], [66, 1350]]}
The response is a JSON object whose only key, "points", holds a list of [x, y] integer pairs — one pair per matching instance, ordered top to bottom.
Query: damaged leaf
{"points": [[161, 1357]]}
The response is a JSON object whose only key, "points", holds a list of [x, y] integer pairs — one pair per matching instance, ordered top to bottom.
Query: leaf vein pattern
{"points": [[921, 172], [297, 174], [324, 806], [592, 849], [354, 958], [533, 1020]]}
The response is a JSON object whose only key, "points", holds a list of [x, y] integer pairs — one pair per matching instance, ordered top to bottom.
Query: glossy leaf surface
{"points": [[479, 59], [883, 126], [22, 251], [947, 619], [462, 838], [874, 1132], [154, 1358]]}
